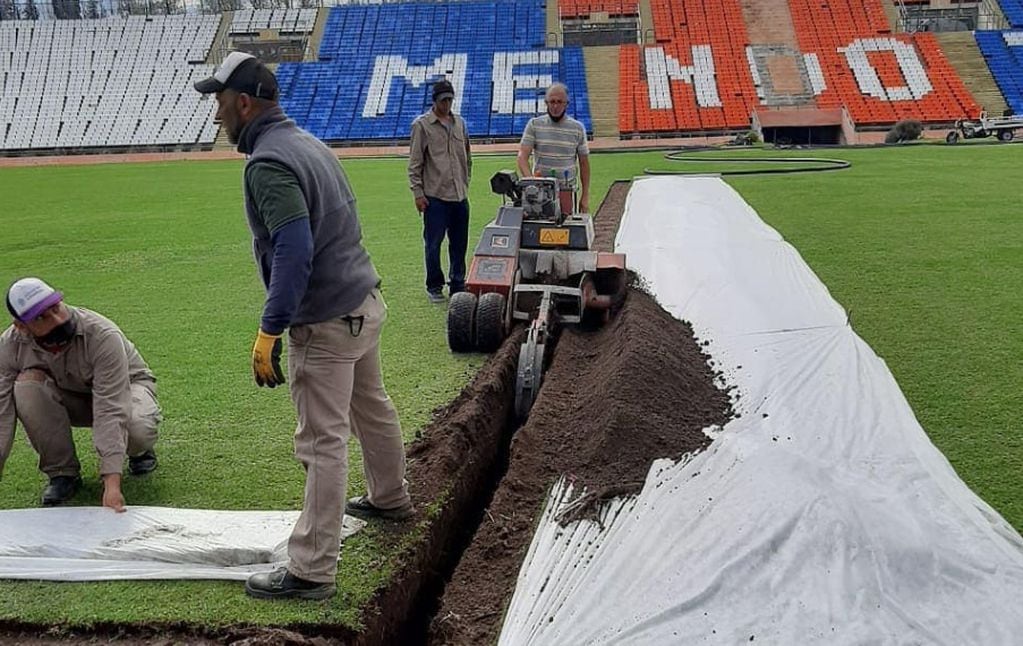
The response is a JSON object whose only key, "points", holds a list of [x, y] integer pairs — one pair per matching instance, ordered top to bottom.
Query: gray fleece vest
{"points": [[342, 274]]}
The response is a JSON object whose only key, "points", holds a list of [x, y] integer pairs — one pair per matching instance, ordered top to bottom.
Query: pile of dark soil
{"points": [[609, 216], [613, 400]]}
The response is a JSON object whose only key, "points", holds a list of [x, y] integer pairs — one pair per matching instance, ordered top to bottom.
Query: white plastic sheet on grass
{"points": [[822, 515], [97, 544]]}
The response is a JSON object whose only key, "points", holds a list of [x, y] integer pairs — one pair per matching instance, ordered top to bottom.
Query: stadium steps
{"points": [[891, 9], [646, 17], [553, 18], [769, 22], [769, 25], [222, 41], [221, 45], [312, 50], [961, 50], [787, 83], [603, 89], [221, 142]]}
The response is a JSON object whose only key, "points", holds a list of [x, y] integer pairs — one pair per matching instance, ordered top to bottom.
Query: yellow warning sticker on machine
{"points": [[554, 236]]}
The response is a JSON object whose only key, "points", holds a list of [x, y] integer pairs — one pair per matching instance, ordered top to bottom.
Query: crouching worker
{"points": [[63, 366]]}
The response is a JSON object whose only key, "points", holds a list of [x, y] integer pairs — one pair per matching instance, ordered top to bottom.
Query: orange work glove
{"points": [[266, 360]]}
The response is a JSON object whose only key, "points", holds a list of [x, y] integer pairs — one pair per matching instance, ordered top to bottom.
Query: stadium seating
{"points": [[585, 8], [1013, 10], [284, 21], [704, 41], [1003, 51], [377, 63], [702, 68], [880, 77], [119, 82], [105, 83]]}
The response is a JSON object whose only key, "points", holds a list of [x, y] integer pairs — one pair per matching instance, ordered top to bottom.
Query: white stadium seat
{"points": [[106, 82]]}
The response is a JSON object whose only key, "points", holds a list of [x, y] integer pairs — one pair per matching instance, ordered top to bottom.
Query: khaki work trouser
{"points": [[338, 389], [47, 412]]}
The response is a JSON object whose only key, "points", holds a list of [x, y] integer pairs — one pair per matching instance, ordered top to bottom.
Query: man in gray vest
{"points": [[321, 288]]}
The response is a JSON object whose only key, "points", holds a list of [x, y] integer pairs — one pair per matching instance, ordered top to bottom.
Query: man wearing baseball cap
{"points": [[439, 169], [323, 290], [64, 366]]}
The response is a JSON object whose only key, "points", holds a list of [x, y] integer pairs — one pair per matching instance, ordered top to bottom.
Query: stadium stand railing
{"points": [[570, 9], [284, 21], [273, 35], [109, 83]]}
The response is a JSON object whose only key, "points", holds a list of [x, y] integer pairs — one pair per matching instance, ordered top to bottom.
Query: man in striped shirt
{"points": [[555, 140]]}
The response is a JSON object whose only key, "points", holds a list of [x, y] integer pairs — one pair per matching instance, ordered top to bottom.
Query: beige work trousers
{"points": [[338, 389], [47, 412]]}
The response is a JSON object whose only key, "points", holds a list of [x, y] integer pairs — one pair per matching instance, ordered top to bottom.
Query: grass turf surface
{"points": [[920, 243]]}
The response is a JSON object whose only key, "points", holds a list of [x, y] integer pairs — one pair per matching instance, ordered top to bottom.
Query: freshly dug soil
{"points": [[609, 216], [613, 400], [453, 460]]}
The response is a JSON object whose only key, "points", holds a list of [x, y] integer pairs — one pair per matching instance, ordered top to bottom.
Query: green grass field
{"points": [[922, 244]]}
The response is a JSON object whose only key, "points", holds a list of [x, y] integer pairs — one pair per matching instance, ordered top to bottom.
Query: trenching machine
{"points": [[534, 263]]}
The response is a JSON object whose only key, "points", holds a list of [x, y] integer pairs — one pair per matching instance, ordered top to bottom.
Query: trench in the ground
{"points": [[613, 400], [468, 447]]}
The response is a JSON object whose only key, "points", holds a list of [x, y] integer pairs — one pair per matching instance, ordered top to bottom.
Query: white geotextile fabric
{"points": [[822, 515], [97, 544]]}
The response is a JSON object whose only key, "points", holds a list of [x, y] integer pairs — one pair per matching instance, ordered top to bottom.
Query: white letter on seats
{"points": [[387, 68], [662, 68], [506, 82], [917, 83]]}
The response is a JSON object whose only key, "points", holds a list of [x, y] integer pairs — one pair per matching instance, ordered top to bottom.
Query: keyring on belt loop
{"points": [[354, 324]]}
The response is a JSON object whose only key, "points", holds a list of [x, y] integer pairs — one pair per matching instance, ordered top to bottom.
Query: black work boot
{"points": [[142, 464], [61, 489], [361, 507], [282, 584]]}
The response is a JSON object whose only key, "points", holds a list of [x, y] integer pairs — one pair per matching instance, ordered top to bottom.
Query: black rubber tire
{"points": [[1005, 135], [952, 138], [462, 322], [490, 330]]}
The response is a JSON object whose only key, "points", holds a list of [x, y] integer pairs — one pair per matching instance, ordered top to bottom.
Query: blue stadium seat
{"points": [[1013, 10], [1005, 62], [336, 99]]}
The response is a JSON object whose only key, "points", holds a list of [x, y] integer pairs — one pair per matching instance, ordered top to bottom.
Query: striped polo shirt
{"points": [[555, 145]]}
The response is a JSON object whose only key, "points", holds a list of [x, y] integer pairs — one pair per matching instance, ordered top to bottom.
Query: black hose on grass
{"points": [[821, 165]]}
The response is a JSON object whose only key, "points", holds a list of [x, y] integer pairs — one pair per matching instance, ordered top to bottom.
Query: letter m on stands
{"points": [[387, 68], [663, 68]]}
